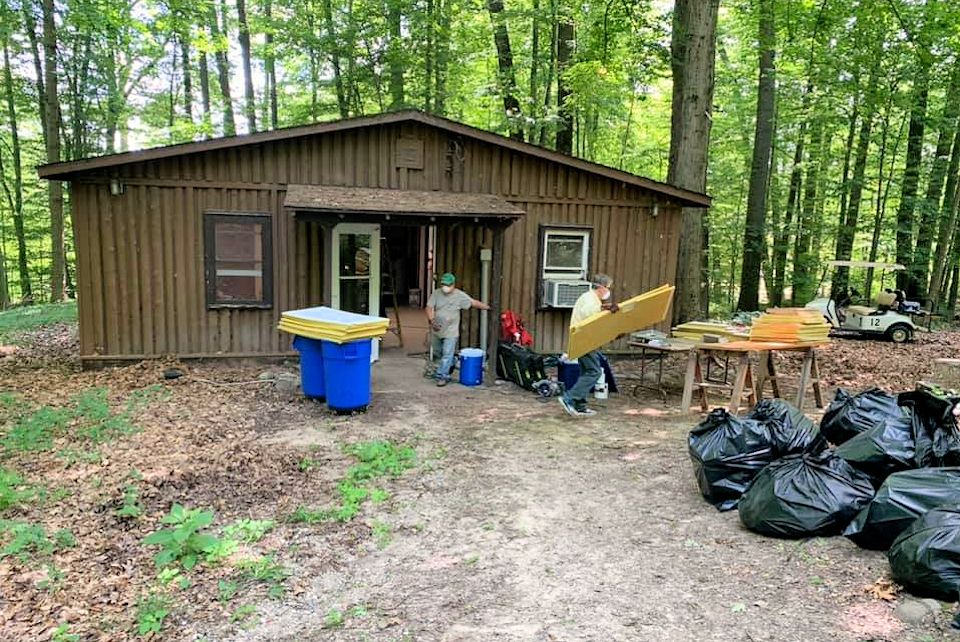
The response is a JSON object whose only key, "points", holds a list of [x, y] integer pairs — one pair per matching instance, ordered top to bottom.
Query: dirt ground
{"points": [[518, 523]]}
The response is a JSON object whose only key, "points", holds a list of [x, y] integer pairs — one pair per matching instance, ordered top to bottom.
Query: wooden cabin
{"points": [[195, 249]]}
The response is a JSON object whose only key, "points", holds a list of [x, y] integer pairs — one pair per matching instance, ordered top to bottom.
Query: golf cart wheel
{"points": [[899, 334]]}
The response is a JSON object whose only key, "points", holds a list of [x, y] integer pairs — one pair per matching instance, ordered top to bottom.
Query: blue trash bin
{"points": [[471, 366], [311, 367], [346, 370]]}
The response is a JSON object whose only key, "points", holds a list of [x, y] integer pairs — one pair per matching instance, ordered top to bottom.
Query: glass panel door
{"points": [[356, 270]]}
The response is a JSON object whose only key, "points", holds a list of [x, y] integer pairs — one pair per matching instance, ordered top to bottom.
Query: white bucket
{"points": [[600, 389]]}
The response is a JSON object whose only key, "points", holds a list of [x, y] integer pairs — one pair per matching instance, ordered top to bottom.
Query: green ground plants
{"points": [[31, 317], [375, 459], [14, 490], [186, 540], [25, 541], [268, 570], [152, 610]]}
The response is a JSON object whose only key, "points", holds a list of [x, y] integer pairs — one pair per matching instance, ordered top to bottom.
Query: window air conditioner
{"points": [[563, 294]]}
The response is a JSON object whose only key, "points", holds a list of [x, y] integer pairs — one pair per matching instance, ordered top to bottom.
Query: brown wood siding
{"points": [[140, 254]]}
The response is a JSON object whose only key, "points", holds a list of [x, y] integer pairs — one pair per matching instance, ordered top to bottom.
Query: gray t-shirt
{"points": [[447, 311]]}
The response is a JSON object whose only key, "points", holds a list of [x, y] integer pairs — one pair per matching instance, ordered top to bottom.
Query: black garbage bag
{"points": [[849, 415], [934, 427], [791, 431], [886, 448], [727, 452], [805, 495], [902, 498], [925, 558]]}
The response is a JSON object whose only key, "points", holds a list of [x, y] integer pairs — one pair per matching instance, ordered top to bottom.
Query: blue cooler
{"points": [[471, 366], [311, 367], [346, 370]]}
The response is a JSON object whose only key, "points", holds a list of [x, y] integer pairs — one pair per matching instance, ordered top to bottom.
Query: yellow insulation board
{"points": [[642, 311]]}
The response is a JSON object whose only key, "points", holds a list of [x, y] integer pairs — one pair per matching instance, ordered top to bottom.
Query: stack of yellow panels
{"points": [[642, 311], [333, 325], [790, 325], [695, 330]]}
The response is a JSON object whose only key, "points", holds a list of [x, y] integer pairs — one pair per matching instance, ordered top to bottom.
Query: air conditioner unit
{"points": [[563, 294]]}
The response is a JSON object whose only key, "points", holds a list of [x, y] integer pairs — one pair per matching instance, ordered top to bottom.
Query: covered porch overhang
{"points": [[333, 205]]}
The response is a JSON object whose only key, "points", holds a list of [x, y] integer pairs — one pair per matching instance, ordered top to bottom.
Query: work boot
{"points": [[441, 382]]}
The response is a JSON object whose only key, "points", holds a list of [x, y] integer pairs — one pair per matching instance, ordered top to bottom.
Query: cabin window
{"points": [[565, 252], [238, 259]]}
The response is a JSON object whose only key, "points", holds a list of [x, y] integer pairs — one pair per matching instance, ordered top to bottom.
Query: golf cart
{"points": [[891, 317]]}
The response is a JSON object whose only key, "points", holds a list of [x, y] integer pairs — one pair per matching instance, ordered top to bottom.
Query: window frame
{"points": [[265, 221], [587, 231]]}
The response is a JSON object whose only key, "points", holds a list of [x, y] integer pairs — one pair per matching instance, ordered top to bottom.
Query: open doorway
{"points": [[406, 284]]}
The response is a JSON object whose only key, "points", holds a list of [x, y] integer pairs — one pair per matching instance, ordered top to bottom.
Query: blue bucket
{"points": [[471, 366], [311, 367], [346, 370]]}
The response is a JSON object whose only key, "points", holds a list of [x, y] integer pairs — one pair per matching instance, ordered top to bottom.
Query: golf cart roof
{"points": [[867, 264]]}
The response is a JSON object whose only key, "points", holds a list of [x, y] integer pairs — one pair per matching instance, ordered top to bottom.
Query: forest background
{"points": [[822, 128]]}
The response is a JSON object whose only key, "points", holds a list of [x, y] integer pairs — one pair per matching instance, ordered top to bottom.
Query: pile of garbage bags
{"points": [[881, 469]]}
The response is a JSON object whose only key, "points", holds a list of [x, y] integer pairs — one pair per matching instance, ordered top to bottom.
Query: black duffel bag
{"points": [[520, 365]]}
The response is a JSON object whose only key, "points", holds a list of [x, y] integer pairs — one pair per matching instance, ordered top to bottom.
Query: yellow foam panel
{"points": [[642, 311]]}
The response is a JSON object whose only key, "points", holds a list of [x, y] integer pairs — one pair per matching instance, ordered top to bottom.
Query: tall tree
{"points": [[565, 35], [333, 45], [693, 46], [395, 54], [223, 65], [270, 65], [507, 75], [251, 98], [51, 114], [16, 198], [930, 205], [948, 222], [847, 231], [754, 233], [805, 251], [906, 279]]}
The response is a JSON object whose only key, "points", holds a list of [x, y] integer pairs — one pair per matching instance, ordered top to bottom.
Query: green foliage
{"points": [[32, 317], [37, 430], [376, 459], [13, 490], [131, 508], [249, 531], [382, 534], [24, 540], [185, 542], [268, 570], [226, 589], [152, 610], [243, 613], [333, 619], [62, 634]]}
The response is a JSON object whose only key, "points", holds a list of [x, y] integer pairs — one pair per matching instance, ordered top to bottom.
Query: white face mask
{"points": [[447, 289], [605, 295]]}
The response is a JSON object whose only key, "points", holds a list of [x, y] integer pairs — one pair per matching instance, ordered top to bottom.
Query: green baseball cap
{"points": [[448, 279]]}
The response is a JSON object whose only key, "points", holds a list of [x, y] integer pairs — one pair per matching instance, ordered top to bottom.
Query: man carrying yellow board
{"points": [[591, 302]]}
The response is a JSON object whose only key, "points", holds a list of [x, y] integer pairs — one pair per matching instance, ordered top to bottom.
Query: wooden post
{"points": [[328, 270], [496, 284], [804, 376], [688, 380]]}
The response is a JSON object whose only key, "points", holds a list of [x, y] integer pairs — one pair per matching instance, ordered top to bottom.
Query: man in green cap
{"points": [[443, 314]]}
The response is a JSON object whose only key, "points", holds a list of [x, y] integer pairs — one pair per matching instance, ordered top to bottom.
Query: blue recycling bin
{"points": [[471, 366], [311, 367], [346, 371]]}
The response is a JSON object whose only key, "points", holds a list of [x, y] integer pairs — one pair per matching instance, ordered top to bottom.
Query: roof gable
{"points": [[65, 170]]}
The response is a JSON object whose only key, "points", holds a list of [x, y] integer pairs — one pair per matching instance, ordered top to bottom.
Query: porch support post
{"points": [[328, 270], [496, 284]]}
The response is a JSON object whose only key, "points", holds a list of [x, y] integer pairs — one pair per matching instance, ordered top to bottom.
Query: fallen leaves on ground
{"points": [[883, 589]]}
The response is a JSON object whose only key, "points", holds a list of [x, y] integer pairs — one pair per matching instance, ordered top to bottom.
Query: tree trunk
{"points": [[30, 25], [244, 28], [333, 45], [564, 45], [693, 46], [395, 55], [443, 55], [270, 66], [223, 68], [551, 69], [187, 74], [507, 77], [205, 94], [534, 100], [51, 114], [883, 195], [930, 206], [948, 221], [754, 232], [846, 234], [781, 243], [804, 261], [906, 279], [26, 293]]}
